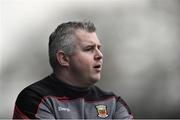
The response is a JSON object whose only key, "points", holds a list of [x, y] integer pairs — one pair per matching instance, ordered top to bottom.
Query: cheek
{"points": [[83, 62]]}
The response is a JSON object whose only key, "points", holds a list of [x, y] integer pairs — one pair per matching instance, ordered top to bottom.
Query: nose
{"points": [[98, 55]]}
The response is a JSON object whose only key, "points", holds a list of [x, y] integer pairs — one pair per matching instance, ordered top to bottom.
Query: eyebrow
{"points": [[90, 44], [93, 45]]}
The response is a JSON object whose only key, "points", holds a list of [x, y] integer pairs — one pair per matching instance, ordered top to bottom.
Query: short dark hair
{"points": [[63, 39]]}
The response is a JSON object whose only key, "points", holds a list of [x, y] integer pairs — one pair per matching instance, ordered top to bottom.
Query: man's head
{"points": [[74, 50]]}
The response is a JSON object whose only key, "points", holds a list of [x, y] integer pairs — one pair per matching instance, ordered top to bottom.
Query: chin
{"points": [[96, 79], [93, 81]]}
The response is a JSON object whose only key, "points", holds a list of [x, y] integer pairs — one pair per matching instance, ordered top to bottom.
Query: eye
{"points": [[88, 49]]}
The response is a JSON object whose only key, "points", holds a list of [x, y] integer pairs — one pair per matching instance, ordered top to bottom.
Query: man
{"points": [[76, 60]]}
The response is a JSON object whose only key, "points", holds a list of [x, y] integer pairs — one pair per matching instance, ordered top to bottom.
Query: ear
{"points": [[62, 59]]}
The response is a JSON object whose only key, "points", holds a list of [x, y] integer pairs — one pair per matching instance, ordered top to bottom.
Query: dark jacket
{"points": [[51, 98]]}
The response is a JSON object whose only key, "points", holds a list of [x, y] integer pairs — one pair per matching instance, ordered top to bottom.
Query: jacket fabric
{"points": [[50, 98]]}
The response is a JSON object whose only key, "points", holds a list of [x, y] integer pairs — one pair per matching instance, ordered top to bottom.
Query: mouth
{"points": [[98, 67]]}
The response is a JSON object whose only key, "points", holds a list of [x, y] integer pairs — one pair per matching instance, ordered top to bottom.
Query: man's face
{"points": [[86, 61]]}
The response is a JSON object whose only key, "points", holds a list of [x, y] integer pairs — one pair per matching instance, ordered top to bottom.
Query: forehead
{"points": [[84, 37]]}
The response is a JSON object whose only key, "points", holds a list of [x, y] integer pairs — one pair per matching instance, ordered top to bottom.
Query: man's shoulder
{"points": [[37, 88], [30, 97]]}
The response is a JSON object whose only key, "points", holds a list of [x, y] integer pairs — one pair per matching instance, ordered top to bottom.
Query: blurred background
{"points": [[140, 45]]}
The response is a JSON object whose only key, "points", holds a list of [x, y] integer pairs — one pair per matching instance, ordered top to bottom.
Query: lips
{"points": [[98, 67]]}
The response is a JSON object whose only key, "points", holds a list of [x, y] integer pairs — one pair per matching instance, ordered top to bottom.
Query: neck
{"points": [[69, 79]]}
